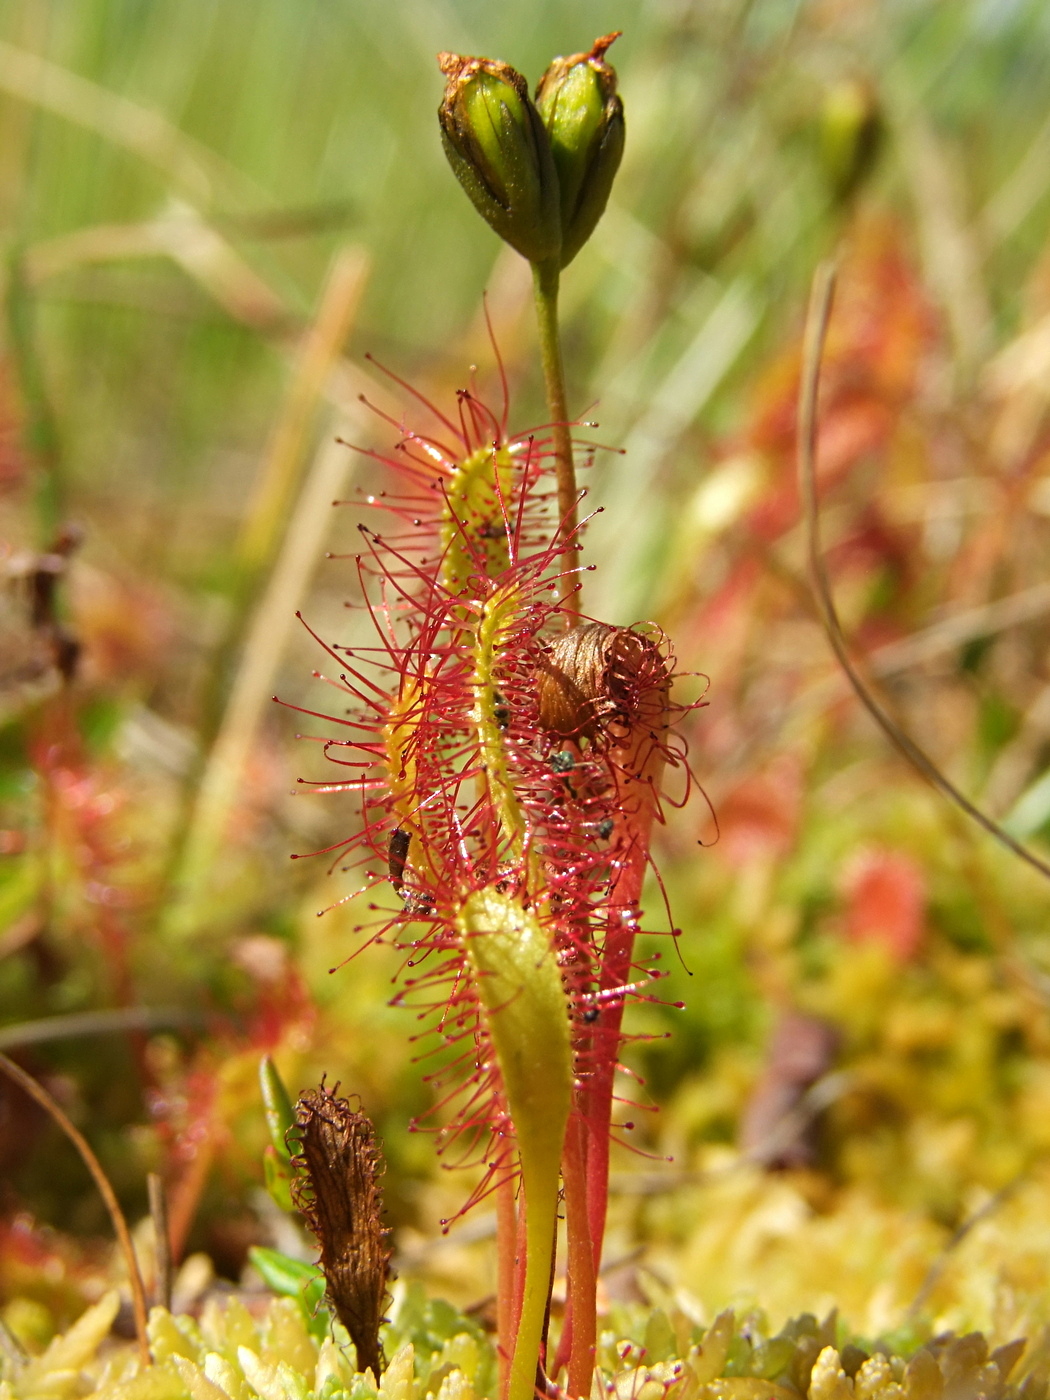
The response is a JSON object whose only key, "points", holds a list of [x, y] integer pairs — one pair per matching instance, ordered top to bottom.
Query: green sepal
{"points": [[583, 114], [497, 146], [280, 1115]]}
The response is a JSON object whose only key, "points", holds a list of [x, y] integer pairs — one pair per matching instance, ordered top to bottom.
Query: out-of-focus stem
{"points": [[545, 278], [41, 429], [267, 513], [230, 714], [581, 1313]]}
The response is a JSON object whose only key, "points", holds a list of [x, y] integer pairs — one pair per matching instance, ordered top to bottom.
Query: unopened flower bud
{"points": [[583, 114], [851, 132], [497, 145]]}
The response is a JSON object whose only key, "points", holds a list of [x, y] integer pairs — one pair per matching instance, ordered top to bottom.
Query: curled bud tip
{"points": [[602, 46]]}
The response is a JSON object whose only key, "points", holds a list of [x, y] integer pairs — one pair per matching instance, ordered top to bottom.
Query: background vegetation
{"points": [[209, 214]]}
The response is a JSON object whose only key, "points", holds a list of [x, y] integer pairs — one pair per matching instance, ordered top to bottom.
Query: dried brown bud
{"points": [[602, 680], [339, 1194]]}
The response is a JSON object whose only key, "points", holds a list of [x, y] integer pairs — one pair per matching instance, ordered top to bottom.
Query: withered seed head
{"points": [[597, 678], [339, 1194]]}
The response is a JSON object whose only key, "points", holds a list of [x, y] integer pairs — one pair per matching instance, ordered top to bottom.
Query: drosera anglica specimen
{"points": [[507, 751]]}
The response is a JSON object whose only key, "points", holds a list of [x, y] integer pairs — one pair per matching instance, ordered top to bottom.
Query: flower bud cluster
{"points": [[538, 172]]}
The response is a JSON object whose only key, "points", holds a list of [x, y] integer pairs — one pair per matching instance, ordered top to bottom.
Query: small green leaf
{"points": [[280, 1115], [278, 1181], [291, 1278]]}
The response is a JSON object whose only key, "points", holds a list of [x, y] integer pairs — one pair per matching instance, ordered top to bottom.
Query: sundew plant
{"points": [[507, 745], [850, 1056]]}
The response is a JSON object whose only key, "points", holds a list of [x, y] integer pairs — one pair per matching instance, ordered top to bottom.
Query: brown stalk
{"points": [[819, 315], [158, 1209], [120, 1225]]}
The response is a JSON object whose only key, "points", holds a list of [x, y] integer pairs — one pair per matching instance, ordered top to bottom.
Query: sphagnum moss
{"points": [[229, 1353]]}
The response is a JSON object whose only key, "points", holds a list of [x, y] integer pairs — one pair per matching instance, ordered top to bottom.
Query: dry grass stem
{"points": [[821, 299], [36, 1091]]}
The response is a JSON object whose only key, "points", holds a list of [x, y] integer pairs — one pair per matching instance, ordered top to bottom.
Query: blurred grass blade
{"points": [[184, 163], [189, 241], [322, 346], [689, 385], [40, 431], [274, 617], [1031, 811]]}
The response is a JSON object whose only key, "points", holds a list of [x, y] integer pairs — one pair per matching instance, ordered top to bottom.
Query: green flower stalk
{"points": [[527, 1012]]}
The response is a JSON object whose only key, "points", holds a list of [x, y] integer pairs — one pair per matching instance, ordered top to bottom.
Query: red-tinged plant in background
{"points": [[507, 753]]}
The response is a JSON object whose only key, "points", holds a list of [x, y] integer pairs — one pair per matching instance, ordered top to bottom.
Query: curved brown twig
{"points": [[819, 314], [120, 1225]]}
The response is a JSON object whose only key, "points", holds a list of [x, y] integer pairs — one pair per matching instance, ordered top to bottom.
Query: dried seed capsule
{"points": [[583, 114], [498, 148], [597, 679], [571, 691], [340, 1197]]}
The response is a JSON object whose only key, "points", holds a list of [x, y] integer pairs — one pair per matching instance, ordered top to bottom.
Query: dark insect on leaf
{"points": [[500, 710], [397, 854], [416, 902], [338, 1192]]}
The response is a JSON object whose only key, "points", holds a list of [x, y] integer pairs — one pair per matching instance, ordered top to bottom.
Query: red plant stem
{"points": [[641, 765], [598, 1098], [185, 1198], [506, 1251], [580, 1332]]}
